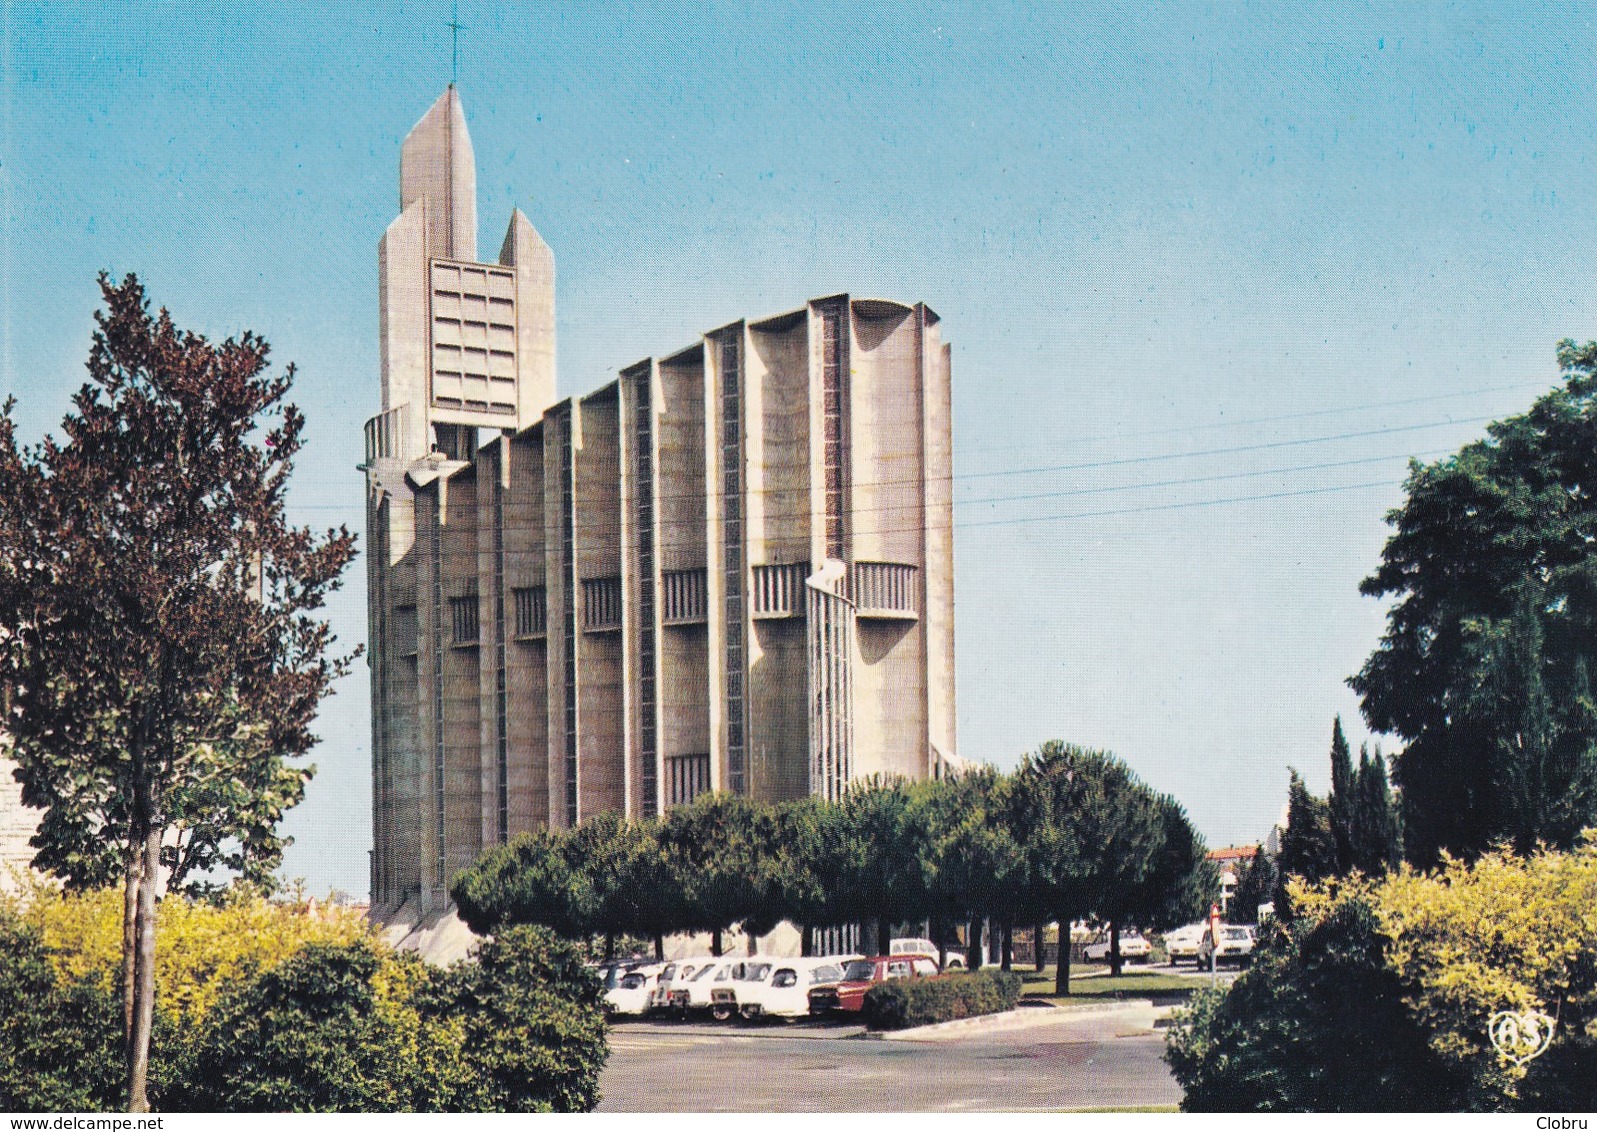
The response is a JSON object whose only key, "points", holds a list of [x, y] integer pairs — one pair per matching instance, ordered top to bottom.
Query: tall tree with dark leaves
{"points": [[1492, 572], [160, 640], [1342, 798], [1377, 824], [1089, 833], [1308, 850]]}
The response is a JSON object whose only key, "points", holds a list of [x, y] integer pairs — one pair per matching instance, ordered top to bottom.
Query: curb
{"points": [[1022, 1018]]}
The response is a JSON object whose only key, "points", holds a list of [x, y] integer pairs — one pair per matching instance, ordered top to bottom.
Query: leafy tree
{"points": [[160, 646], [1483, 667], [1365, 826], [1089, 833], [1308, 849], [719, 853], [1143, 857], [876, 863], [975, 868], [627, 878], [529, 880], [1181, 881], [799, 883]]}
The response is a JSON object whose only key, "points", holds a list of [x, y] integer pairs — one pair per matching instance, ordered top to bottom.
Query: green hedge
{"points": [[920, 1002]]}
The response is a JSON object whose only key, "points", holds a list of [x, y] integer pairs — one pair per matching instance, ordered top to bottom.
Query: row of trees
{"points": [[1073, 834]]}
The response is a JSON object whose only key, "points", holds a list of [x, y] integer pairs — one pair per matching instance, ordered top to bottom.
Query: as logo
{"points": [[1520, 1035]]}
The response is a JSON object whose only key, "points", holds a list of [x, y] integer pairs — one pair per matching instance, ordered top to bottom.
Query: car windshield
{"points": [[1237, 933], [858, 970], [703, 971], [755, 972], [826, 973], [632, 982]]}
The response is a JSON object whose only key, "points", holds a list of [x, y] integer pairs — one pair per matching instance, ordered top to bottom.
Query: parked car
{"points": [[1181, 944], [1236, 945], [1132, 946], [956, 958], [861, 974], [673, 982], [633, 990], [693, 993], [784, 993], [729, 994]]}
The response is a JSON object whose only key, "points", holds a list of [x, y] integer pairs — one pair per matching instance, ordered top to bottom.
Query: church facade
{"points": [[731, 568]]}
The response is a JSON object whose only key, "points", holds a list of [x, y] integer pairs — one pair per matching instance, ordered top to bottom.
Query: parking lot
{"points": [[1103, 1059]]}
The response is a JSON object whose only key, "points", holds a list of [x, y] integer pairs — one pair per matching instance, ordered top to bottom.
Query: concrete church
{"points": [[729, 569]]}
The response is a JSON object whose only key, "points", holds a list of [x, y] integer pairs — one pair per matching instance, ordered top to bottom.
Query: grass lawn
{"points": [[1095, 984]]}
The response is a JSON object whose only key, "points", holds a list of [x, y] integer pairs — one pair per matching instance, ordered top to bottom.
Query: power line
{"points": [[1338, 411], [1220, 451], [1199, 479], [1177, 506]]}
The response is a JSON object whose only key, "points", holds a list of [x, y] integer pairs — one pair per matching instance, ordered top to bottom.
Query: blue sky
{"points": [[1188, 257]]}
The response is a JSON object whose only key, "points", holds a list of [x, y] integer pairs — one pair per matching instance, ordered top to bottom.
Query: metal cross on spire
{"points": [[455, 28]]}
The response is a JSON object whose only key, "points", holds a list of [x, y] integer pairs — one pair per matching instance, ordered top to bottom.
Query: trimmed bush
{"points": [[903, 1003], [531, 1023], [317, 1033]]}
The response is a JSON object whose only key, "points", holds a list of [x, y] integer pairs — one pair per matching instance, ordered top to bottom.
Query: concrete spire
{"points": [[436, 164]]}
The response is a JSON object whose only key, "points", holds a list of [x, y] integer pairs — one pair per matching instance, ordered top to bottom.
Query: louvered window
{"points": [[532, 611], [463, 618]]}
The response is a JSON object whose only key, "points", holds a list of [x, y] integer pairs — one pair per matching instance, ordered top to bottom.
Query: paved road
{"points": [[1098, 1061]]}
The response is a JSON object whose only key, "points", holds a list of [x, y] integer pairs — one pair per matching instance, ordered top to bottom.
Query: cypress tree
{"points": [[1343, 801], [1378, 827], [1308, 849]]}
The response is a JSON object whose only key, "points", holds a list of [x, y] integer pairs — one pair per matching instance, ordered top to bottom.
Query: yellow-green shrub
{"points": [[199, 948]]}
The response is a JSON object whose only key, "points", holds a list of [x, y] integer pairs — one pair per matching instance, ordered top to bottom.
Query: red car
{"points": [[859, 975]]}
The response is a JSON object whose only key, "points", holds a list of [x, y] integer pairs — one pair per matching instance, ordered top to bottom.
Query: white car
{"points": [[1181, 944], [1235, 945], [1132, 946], [955, 960], [671, 988], [632, 991], [785, 991], [694, 992], [728, 994]]}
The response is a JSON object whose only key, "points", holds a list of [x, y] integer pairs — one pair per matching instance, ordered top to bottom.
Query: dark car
{"points": [[862, 974]]}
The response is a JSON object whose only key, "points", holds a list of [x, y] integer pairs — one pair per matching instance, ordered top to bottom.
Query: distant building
{"points": [[731, 568], [17, 825], [1232, 860]]}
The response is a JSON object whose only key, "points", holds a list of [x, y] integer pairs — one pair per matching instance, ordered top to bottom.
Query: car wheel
{"points": [[720, 1013], [750, 1013]]}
